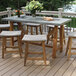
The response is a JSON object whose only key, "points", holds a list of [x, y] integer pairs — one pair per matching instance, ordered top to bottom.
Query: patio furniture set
{"points": [[39, 39]]}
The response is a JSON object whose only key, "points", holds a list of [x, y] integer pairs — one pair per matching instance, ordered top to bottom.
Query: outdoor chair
{"points": [[32, 26], [10, 34], [71, 36], [37, 39]]}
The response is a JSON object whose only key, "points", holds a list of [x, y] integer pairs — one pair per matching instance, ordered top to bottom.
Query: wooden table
{"points": [[57, 22]]}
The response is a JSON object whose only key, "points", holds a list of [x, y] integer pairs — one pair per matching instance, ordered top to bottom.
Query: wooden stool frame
{"points": [[32, 29], [4, 46], [69, 47], [28, 52]]}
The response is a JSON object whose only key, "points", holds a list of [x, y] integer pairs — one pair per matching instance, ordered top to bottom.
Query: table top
{"points": [[37, 19]]}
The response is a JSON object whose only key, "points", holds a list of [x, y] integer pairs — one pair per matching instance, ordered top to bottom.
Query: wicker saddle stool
{"points": [[34, 25], [4, 26], [10, 34], [71, 36], [34, 38]]}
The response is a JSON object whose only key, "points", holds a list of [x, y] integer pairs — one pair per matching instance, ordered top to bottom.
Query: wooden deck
{"points": [[13, 65]]}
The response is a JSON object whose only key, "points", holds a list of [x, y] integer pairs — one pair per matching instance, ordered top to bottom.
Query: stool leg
{"points": [[27, 29], [31, 30], [36, 30], [40, 30], [48, 35], [64, 36], [64, 39], [55, 42], [3, 46], [20, 46], [67, 46], [69, 50], [26, 53], [44, 53]]}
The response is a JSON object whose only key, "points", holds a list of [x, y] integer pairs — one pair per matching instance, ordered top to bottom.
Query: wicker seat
{"points": [[33, 25], [4, 26], [52, 26], [10, 34], [71, 36], [34, 38]]}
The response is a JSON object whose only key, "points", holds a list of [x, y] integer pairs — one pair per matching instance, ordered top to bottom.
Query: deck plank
{"points": [[6, 67], [14, 67], [56, 67], [22, 69], [31, 69], [45, 69], [70, 69], [61, 70], [74, 73]]}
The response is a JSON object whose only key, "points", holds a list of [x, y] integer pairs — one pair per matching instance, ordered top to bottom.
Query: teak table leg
{"points": [[20, 28], [11, 29], [48, 35], [61, 37], [55, 42], [20, 46]]}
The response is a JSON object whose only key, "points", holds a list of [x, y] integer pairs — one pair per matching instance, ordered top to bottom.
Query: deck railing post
{"points": [[23, 9], [9, 12], [60, 12]]}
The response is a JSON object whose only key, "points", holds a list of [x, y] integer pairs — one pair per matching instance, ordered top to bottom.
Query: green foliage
{"points": [[11, 3], [47, 4], [34, 5], [53, 5]]}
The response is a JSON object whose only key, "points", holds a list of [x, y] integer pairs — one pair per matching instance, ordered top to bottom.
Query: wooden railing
{"points": [[2, 15], [70, 26]]}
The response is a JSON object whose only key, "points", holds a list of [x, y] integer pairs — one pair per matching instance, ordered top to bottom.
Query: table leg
{"points": [[20, 28], [11, 29], [61, 37], [55, 42]]}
